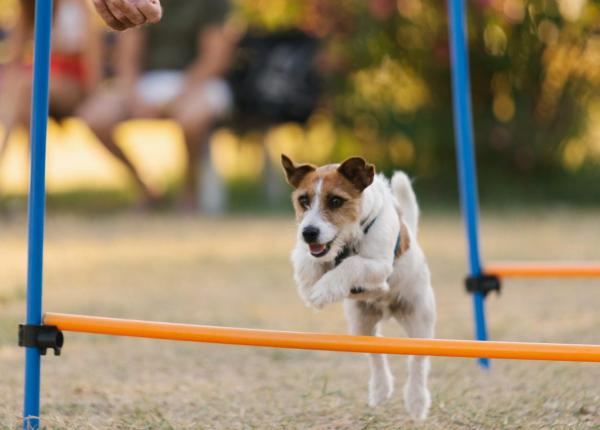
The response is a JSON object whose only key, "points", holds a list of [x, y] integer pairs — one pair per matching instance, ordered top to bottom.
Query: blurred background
{"points": [[190, 116], [138, 124]]}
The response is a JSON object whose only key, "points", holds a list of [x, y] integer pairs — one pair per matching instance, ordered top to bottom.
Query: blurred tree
{"points": [[535, 68]]}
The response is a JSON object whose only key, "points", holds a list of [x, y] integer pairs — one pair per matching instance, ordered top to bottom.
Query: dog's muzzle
{"points": [[319, 249]]}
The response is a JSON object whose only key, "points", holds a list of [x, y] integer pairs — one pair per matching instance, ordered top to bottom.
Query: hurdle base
{"points": [[483, 284], [43, 337]]}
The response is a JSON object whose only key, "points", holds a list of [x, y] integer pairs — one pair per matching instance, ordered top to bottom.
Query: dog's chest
{"points": [[350, 249]]}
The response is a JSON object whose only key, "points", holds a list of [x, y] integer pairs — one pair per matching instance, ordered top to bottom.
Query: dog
{"points": [[357, 243]]}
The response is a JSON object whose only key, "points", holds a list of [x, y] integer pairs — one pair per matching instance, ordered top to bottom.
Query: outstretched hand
{"points": [[123, 14]]}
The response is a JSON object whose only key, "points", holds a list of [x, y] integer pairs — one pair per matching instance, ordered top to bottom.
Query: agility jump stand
{"points": [[465, 158], [36, 208], [481, 281], [40, 334]]}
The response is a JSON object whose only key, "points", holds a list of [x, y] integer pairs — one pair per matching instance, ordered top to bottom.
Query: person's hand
{"points": [[123, 14]]}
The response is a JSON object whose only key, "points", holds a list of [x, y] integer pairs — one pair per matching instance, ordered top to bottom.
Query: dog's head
{"points": [[327, 201]]}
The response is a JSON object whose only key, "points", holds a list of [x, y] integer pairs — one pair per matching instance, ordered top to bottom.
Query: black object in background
{"points": [[274, 78]]}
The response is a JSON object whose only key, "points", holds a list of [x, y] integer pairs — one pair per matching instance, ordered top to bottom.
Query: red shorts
{"points": [[69, 66]]}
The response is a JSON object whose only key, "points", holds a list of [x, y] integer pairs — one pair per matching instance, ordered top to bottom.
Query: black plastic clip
{"points": [[483, 284], [42, 337]]}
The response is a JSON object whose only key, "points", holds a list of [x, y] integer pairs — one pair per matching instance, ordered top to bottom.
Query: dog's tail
{"points": [[408, 207]]}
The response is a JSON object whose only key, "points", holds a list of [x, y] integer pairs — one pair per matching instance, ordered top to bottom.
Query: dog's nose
{"points": [[310, 234]]}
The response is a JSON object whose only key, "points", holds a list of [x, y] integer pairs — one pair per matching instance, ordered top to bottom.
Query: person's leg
{"points": [[66, 94], [64, 97], [15, 100], [14, 106], [102, 112], [196, 114], [8, 123], [195, 136], [4, 140]]}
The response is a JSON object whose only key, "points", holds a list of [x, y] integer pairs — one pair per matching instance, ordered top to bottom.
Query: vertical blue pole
{"points": [[463, 129], [37, 203]]}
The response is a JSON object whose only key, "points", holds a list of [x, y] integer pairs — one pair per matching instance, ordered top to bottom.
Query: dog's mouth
{"points": [[319, 249]]}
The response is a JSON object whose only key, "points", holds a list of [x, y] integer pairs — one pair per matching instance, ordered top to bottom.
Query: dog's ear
{"points": [[358, 171], [294, 174]]}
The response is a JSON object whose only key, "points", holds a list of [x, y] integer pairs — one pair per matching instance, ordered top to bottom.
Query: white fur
{"points": [[313, 218], [398, 288]]}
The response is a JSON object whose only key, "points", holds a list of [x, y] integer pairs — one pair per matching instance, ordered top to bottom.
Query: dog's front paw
{"points": [[324, 293], [319, 297], [381, 388], [417, 401]]}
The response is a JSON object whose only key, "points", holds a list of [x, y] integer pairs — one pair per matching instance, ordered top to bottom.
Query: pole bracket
{"points": [[483, 284], [41, 337]]}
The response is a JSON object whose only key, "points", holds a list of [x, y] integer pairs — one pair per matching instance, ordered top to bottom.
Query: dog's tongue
{"points": [[316, 248]]}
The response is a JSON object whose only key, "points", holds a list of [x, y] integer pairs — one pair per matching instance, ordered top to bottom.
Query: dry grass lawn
{"points": [[236, 272]]}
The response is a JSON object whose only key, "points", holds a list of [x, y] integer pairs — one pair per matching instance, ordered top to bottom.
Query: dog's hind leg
{"points": [[363, 320], [418, 321]]}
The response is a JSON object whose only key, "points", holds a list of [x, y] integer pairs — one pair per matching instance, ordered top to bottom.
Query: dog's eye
{"points": [[304, 201], [335, 202]]}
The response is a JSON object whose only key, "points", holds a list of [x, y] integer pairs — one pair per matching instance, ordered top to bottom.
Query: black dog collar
{"points": [[349, 250]]}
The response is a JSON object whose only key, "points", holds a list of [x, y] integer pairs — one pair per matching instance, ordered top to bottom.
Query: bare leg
{"points": [[65, 95], [14, 107], [196, 110], [102, 113], [8, 120], [196, 126], [105, 136], [4, 141], [4, 145], [190, 200], [363, 320], [418, 322]]}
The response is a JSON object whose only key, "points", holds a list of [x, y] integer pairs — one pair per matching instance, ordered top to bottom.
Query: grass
{"points": [[236, 272]]}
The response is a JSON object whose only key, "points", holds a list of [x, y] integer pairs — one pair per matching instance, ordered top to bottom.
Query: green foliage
{"points": [[535, 69]]}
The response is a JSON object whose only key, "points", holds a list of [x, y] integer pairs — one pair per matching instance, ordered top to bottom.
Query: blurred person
{"points": [[124, 14], [74, 64], [172, 69]]}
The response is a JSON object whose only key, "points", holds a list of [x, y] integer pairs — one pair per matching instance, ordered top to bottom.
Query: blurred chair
{"points": [[173, 69], [274, 80]]}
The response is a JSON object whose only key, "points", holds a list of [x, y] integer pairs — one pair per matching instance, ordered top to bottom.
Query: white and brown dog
{"points": [[357, 242]]}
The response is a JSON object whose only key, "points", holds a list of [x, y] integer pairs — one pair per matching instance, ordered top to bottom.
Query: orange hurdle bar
{"points": [[544, 270], [323, 341]]}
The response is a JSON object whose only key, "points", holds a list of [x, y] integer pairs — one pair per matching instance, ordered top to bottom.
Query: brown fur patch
{"points": [[358, 172], [295, 174], [333, 184], [305, 187], [404, 240], [401, 306], [370, 308]]}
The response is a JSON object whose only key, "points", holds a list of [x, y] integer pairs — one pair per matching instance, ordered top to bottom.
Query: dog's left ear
{"points": [[358, 171], [294, 174]]}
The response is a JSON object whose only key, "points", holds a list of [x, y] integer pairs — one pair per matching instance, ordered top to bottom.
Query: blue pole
{"points": [[463, 129], [37, 203]]}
